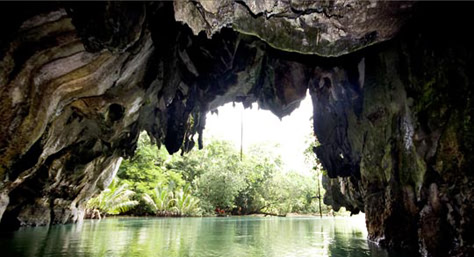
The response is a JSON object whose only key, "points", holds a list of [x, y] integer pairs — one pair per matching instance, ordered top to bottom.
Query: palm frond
{"points": [[113, 200]]}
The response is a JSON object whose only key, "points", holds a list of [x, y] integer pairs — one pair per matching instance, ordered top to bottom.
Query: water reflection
{"points": [[236, 236]]}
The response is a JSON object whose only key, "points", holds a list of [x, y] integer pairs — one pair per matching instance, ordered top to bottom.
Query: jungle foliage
{"points": [[214, 180]]}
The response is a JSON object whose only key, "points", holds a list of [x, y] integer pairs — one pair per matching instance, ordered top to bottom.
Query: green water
{"points": [[226, 237]]}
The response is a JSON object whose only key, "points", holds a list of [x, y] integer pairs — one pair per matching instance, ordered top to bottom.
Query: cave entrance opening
{"points": [[245, 128], [282, 146], [252, 163]]}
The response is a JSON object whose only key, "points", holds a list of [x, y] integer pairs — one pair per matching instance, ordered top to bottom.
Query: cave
{"points": [[390, 84]]}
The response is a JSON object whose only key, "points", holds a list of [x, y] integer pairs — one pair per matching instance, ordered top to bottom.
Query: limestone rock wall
{"points": [[79, 81], [67, 116], [400, 148]]}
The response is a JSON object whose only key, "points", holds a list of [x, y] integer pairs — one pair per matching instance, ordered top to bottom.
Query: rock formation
{"points": [[391, 84]]}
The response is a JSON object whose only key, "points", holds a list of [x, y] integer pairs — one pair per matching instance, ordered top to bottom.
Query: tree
{"points": [[259, 167], [146, 168], [216, 178], [222, 178]]}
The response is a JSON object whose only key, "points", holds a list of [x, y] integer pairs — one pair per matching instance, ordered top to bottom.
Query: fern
{"points": [[113, 200], [165, 202]]}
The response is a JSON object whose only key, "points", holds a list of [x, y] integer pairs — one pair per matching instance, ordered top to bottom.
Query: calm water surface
{"points": [[223, 237]]}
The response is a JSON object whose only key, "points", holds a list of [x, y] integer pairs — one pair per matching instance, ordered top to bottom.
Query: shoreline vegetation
{"points": [[214, 181], [340, 214]]}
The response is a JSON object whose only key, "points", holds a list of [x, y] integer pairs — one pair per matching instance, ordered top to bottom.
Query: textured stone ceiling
{"points": [[325, 28], [79, 81]]}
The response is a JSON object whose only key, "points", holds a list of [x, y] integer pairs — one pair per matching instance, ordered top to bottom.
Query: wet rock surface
{"points": [[325, 28], [79, 81], [400, 141]]}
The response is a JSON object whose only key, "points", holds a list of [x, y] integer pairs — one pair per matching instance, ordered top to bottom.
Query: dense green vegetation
{"points": [[214, 180], [115, 199]]}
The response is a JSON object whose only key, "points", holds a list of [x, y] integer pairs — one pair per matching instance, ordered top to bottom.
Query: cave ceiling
{"points": [[390, 83]]}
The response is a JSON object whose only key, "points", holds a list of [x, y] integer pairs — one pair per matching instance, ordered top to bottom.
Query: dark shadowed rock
{"points": [[78, 82]]}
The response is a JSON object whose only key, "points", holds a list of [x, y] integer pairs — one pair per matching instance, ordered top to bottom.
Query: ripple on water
{"points": [[222, 237]]}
